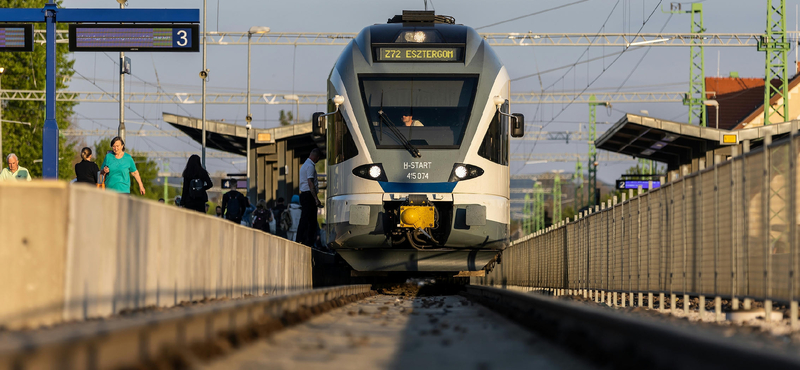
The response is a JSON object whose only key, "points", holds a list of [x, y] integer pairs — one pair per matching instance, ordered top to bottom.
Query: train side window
{"points": [[495, 142], [341, 145]]}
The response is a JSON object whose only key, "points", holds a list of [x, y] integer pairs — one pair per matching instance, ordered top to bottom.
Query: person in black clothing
{"points": [[86, 170], [195, 183], [233, 204], [277, 212], [262, 216]]}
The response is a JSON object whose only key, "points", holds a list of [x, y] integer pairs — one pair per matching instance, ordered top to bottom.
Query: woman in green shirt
{"points": [[118, 167]]}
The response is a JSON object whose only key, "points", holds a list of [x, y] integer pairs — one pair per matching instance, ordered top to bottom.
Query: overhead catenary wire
{"points": [[531, 14], [642, 58], [572, 66], [593, 81]]}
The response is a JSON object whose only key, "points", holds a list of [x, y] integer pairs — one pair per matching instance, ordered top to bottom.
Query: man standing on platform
{"points": [[14, 172], [309, 201], [233, 204]]}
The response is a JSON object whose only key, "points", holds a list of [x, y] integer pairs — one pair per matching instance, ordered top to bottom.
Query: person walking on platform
{"points": [[118, 167], [86, 170], [14, 172], [195, 184], [309, 201], [233, 204], [277, 212], [294, 213], [262, 216], [247, 217]]}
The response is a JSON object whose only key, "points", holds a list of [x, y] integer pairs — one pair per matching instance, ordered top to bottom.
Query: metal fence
{"points": [[722, 232]]}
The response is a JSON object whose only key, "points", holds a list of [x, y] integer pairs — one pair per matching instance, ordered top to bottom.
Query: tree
{"points": [[26, 71], [286, 118], [148, 170]]}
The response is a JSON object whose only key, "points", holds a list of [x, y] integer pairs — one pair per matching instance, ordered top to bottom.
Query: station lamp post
{"points": [[2, 70], [297, 100], [713, 103], [249, 118]]}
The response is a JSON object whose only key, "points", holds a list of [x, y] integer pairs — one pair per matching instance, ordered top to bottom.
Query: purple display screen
{"points": [[16, 37], [134, 37]]}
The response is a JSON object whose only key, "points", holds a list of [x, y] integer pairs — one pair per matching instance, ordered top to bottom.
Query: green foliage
{"points": [[26, 71], [286, 117], [148, 170]]}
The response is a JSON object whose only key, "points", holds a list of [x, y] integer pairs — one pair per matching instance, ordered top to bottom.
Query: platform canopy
{"points": [[230, 137], [674, 143]]}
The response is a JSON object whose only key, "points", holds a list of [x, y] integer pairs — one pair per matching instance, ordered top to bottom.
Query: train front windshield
{"points": [[429, 112]]}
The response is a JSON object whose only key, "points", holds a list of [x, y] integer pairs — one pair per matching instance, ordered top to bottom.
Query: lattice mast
{"points": [[776, 45], [697, 70], [592, 162], [578, 186], [556, 199], [538, 207], [526, 215]]}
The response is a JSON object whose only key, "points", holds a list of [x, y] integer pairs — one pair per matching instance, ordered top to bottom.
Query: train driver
{"points": [[408, 120]]}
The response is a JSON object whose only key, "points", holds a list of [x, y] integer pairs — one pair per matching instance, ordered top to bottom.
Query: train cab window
{"points": [[430, 111], [495, 142], [341, 145]]}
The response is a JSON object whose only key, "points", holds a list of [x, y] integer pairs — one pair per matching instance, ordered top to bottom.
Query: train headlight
{"points": [[417, 36], [372, 171], [375, 172], [461, 172], [464, 172]]}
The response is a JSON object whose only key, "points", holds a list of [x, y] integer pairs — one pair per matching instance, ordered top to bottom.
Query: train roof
{"points": [[440, 29]]}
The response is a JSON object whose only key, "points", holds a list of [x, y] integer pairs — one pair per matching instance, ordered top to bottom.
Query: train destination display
{"points": [[16, 37], [134, 37], [419, 54]]}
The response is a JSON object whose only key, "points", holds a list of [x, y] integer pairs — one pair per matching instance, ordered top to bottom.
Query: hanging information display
{"points": [[16, 37], [134, 37]]}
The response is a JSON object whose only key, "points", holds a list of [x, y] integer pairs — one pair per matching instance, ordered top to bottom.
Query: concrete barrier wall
{"points": [[72, 252]]}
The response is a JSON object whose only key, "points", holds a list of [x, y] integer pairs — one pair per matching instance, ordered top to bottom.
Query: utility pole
{"points": [[776, 46], [2, 70], [204, 76], [121, 128]]}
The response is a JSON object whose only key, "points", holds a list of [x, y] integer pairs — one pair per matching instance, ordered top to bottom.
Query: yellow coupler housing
{"points": [[418, 217]]}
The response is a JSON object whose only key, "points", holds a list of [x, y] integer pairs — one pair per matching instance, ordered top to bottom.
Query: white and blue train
{"points": [[418, 148]]}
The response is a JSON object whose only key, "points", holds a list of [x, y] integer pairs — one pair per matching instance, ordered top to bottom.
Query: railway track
{"points": [[353, 327]]}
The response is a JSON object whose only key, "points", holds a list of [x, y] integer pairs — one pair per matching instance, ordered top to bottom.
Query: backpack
{"points": [[196, 188], [234, 208], [260, 220], [286, 220]]}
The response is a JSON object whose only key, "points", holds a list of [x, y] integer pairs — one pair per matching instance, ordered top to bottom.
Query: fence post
{"points": [[765, 203], [792, 225], [685, 227], [734, 240], [717, 299]]}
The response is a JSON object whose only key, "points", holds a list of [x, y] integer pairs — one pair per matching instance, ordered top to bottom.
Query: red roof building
{"points": [[741, 101]]}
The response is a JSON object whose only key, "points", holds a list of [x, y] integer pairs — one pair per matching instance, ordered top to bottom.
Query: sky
{"points": [[304, 69]]}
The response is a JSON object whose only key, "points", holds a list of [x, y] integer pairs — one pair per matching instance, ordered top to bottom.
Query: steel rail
{"points": [[494, 39], [626, 341], [128, 342]]}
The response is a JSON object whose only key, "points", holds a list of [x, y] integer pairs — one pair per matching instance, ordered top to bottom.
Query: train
{"points": [[418, 130]]}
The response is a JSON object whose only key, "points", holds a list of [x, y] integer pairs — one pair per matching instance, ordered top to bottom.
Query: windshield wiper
{"points": [[410, 147], [414, 151]]}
